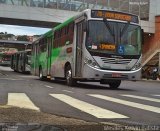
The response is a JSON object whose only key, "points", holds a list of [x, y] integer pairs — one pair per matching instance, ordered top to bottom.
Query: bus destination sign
{"points": [[114, 15]]}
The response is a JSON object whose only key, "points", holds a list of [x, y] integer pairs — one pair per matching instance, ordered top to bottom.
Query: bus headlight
{"points": [[91, 62], [136, 66]]}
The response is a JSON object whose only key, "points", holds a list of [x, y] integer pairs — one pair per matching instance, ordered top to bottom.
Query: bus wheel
{"points": [[70, 81], [115, 84]]}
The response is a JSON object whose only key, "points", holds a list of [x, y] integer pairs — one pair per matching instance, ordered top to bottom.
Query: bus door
{"points": [[79, 42], [49, 48], [35, 58], [17, 62]]}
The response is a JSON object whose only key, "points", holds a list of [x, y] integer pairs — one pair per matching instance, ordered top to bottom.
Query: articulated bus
{"points": [[96, 45], [5, 55], [21, 60]]}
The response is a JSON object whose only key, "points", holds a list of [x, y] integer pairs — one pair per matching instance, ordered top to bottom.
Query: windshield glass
{"points": [[114, 38]]}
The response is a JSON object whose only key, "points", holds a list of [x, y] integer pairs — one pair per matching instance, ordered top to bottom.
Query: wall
{"points": [[152, 42]]}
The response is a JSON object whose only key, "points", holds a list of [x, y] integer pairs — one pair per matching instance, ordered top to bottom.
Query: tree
{"points": [[9, 35], [22, 38]]}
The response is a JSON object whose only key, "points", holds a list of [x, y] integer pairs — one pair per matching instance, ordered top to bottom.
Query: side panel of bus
{"points": [[62, 50], [41, 55], [20, 61]]}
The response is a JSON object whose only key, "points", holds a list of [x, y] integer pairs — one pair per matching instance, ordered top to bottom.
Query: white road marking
{"points": [[4, 68], [3, 74], [10, 79], [48, 86], [68, 91], [156, 95], [143, 98], [21, 100], [127, 103], [88, 108]]}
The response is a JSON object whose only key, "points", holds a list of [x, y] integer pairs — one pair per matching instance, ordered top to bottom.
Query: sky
{"points": [[22, 30]]}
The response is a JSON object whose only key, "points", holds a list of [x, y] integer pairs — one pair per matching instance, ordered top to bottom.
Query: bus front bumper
{"points": [[90, 72]]}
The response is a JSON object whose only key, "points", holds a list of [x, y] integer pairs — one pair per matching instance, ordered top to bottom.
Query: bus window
{"points": [[43, 45]]}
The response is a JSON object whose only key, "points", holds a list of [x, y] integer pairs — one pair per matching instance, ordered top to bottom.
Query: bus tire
{"points": [[68, 74], [154, 77], [115, 84]]}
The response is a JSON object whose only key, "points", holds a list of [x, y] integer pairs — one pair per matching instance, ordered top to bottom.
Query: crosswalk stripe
{"points": [[142, 98], [21, 100], [127, 103], [88, 108]]}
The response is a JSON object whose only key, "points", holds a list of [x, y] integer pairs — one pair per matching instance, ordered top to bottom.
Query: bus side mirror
{"points": [[142, 35]]}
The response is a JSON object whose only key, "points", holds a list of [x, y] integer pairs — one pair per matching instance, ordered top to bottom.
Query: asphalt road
{"points": [[134, 103]]}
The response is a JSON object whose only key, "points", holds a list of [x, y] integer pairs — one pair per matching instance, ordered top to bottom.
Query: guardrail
{"points": [[72, 5], [150, 53]]}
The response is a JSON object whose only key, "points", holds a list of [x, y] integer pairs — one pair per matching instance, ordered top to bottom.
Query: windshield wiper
{"points": [[109, 28], [124, 29]]}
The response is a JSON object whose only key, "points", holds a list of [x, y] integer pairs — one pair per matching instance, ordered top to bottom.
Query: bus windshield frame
{"points": [[113, 38]]}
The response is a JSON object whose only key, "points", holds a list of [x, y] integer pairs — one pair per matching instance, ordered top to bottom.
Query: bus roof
{"points": [[64, 24], [50, 32]]}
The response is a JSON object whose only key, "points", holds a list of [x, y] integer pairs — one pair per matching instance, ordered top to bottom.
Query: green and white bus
{"points": [[96, 45], [21, 60]]}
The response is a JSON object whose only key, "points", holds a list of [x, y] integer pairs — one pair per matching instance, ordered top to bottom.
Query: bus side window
{"points": [[71, 32], [59, 37], [63, 37], [55, 39], [43, 45]]}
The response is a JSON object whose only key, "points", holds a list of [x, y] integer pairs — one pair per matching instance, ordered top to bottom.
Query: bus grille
{"points": [[115, 60]]}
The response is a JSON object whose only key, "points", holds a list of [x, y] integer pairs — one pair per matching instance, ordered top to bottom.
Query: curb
{"points": [[156, 81]]}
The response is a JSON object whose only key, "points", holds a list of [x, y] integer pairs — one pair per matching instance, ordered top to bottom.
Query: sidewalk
{"points": [[150, 80]]}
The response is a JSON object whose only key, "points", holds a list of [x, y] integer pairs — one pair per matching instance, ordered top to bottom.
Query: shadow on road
{"points": [[89, 85]]}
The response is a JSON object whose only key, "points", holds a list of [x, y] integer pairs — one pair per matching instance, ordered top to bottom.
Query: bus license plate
{"points": [[116, 75]]}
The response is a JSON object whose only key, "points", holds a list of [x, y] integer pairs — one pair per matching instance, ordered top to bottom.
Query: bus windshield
{"points": [[114, 38]]}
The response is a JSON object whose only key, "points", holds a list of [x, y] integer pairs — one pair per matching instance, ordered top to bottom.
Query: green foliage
{"points": [[5, 35], [22, 38]]}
